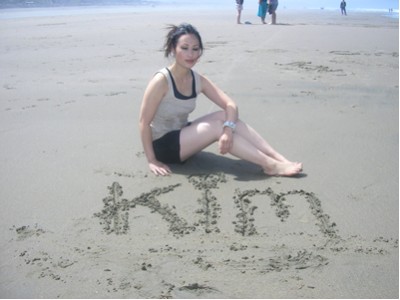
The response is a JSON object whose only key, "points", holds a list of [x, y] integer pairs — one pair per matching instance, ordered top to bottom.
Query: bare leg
{"points": [[239, 16], [273, 18], [248, 133], [198, 136], [258, 141], [247, 145], [245, 150]]}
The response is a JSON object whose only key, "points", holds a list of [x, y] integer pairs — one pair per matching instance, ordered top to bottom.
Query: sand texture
{"points": [[82, 216]]}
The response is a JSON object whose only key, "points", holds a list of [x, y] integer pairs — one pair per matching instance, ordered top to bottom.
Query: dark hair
{"points": [[175, 32]]}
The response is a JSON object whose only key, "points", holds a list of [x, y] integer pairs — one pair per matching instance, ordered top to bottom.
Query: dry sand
{"points": [[323, 89]]}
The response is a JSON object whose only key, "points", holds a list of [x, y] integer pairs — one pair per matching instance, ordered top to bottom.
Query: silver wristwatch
{"points": [[230, 124]]}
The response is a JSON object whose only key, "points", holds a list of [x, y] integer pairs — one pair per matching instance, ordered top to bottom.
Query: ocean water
{"points": [[377, 5]]}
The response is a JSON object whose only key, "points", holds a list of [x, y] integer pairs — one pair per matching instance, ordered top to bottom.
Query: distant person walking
{"points": [[272, 6], [239, 7], [343, 7], [262, 10]]}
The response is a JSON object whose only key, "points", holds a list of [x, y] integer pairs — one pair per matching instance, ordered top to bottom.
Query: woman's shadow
{"points": [[208, 163]]}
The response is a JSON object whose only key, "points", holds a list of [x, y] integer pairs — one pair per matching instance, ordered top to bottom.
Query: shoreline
{"points": [[178, 4], [42, 12]]}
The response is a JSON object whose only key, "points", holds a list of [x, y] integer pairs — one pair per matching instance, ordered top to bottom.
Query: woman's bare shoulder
{"points": [[158, 81]]}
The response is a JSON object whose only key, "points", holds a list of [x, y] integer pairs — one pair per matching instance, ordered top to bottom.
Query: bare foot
{"points": [[281, 159], [284, 169]]}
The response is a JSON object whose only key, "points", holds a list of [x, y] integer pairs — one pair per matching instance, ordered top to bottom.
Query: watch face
{"points": [[230, 125]]}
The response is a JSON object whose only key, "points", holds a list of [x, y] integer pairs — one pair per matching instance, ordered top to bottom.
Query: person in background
{"points": [[272, 6], [239, 7], [343, 7], [262, 10], [167, 135]]}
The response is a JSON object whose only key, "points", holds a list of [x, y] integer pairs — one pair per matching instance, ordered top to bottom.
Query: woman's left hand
{"points": [[225, 142]]}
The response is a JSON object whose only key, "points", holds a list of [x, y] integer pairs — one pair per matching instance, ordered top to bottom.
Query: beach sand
{"points": [[82, 216]]}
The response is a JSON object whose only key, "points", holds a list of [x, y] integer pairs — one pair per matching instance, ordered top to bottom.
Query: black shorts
{"points": [[167, 148]]}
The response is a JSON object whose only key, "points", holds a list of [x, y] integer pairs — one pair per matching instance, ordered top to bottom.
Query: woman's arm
{"points": [[215, 94], [153, 95], [221, 99]]}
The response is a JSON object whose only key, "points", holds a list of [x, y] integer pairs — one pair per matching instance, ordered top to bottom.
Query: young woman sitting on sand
{"points": [[167, 135]]}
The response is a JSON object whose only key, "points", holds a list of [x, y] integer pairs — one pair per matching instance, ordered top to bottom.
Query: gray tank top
{"points": [[174, 109]]}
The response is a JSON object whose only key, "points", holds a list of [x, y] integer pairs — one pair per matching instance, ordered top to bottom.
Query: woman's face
{"points": [[187, 51]]}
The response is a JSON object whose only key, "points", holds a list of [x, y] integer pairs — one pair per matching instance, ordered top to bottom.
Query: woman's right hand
{"points": [[159, 168]]}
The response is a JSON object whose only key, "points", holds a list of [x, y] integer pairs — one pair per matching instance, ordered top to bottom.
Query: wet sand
{"points": [[82, 217]]}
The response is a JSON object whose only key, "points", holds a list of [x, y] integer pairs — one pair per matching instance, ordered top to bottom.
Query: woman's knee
{"points": [[218, 115], [214, 126]]}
